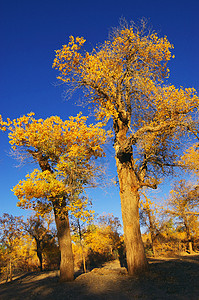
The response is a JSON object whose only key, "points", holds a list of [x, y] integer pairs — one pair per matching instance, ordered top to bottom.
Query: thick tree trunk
{"points": [[64, 238], [39, 254], [136, 259]]}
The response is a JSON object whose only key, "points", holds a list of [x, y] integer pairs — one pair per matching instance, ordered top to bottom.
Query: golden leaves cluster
{"points": [[69, 56], [55, 136], [190, 159], [38, 185], [183, 198]]}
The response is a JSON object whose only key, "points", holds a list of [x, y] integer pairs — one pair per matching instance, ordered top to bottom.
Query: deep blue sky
{"points": [[30, 31]]}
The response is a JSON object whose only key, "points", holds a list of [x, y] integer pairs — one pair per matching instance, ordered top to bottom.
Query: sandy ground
{"points": [[172, 279]]}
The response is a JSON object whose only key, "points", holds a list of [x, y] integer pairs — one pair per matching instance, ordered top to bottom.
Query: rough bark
{"points": [[64, 238], [39, 254], [136, 259]]}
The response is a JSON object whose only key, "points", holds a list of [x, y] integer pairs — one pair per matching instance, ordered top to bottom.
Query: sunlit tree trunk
{"points": [[64, 238], [190, 246], [136, 259], [10, 269], [7, 273]]}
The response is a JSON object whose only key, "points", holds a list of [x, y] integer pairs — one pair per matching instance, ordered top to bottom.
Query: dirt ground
{"points": [[176, 278]]}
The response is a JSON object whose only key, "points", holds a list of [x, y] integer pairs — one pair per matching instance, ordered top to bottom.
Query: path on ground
{"points": [[176, 278]]}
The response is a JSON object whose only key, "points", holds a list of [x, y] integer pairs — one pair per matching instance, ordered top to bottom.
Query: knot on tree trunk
{"points": [[124, 154], [124, 157]]}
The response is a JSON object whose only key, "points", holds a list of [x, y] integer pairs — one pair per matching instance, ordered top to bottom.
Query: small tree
{"points": [[124, 80], [183, 204], [151, 217], [79, 223], [111, 225], [11, 231], [40, 232], [78, 238], [102, 238], [97, 239]]}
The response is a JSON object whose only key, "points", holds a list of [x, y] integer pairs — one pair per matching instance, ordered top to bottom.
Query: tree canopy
{"points": [[124, 78], [64, 152]]}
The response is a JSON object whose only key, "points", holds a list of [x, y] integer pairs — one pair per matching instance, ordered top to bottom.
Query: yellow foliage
{"points": [[128, 60], [124, 78], [56, 137], [63, 150], [190, 159], [97, 241], [16, 246]]}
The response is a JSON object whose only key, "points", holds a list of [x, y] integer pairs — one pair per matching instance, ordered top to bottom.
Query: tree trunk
{"points": [[129, 195], [152, 232], [188, 235], [65, 245], [190, 247], [82, 248], [154, 250], [39, 254], [83, 259], [136, 259], [10, 269], [7, 273]]}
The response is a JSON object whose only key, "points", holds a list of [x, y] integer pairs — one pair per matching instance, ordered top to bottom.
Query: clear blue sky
{"points": [[30, 31]]}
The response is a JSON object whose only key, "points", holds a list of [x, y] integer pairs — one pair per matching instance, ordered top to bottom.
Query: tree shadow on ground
{"points": [[166, 279]]}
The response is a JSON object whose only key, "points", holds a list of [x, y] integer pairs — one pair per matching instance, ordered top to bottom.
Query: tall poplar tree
{"points": [[123, 79]]}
